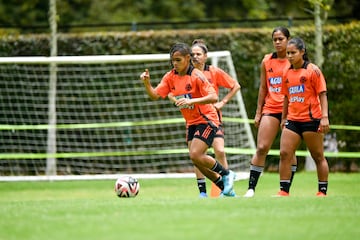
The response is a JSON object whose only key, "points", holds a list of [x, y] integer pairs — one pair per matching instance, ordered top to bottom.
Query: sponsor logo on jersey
{"points": [[275, 80], [275, 89], [297, 89], [297, 99]]}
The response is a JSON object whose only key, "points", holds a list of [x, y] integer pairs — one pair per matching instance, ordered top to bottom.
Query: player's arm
{"points": [[145, 77], [208, 93], [261, 95], [228, 96], [171, 98], [210, 98], [284, 111], [324, 122]]}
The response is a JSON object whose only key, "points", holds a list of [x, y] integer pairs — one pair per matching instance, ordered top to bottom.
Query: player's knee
{"points": [[262, 150], [220, 153], [195, 155], [286, 155], [318, 157]]}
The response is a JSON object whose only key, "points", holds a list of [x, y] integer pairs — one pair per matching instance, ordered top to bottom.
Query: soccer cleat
{"points": [[228, 182], [250, 193], [282, 193], [230, 194], [320, 194], [203, 195]]}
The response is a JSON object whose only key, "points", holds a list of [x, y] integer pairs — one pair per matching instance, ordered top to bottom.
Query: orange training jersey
{"points": [[274, 68], [218, 78], [191, 85], [302, 88]]}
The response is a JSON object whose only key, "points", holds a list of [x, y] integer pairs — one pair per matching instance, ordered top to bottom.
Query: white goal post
{"points": [[100, 119]]}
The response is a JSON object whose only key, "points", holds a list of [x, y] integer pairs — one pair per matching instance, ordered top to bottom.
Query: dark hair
{"points": [[284, 31], [201, 44], [299, 44], [183, 48]]}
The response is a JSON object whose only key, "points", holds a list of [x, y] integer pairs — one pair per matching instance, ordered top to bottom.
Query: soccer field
{"points": [[171, 209]]}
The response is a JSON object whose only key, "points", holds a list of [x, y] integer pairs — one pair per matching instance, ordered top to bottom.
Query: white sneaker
{"points": [[250, 193]]}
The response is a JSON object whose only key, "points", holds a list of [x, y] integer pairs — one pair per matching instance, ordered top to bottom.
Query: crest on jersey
{"points": [[302, 79], [188, 87]]}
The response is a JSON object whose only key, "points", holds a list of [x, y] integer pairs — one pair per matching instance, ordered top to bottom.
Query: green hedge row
{"points": [[248, 46]]}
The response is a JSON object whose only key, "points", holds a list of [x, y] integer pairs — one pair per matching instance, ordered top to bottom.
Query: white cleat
{"points": [[250, 193]]}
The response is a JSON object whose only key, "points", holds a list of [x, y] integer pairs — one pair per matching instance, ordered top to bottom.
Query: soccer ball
{"points": [[127, 187]]}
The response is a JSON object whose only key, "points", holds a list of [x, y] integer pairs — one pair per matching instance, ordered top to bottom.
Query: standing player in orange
{"points": [[218, 78], [194, 96], [269, 105], [305, 115]]}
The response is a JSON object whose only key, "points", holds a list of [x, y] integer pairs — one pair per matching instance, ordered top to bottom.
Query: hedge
{"points": [[248, 46]]}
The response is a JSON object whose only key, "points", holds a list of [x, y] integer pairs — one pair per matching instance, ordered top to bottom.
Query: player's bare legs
{"points": [[268, 129], [289, 142], [314, 142], [219, 150], [205, 163]]}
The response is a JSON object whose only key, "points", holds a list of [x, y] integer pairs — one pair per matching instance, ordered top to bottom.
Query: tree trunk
{"points": [[319, 59]]}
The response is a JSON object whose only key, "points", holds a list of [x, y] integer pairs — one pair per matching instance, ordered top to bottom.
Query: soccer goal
{"points": [[90, 116]]}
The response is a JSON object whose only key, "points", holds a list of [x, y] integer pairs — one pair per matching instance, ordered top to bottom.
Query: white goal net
{"points": [[90, 115]]}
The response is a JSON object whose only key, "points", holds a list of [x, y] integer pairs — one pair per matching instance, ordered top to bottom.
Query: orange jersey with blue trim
{"points": [[274, 68], [191, 85], [302, 88]]}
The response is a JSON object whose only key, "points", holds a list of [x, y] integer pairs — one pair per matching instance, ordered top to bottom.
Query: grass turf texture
{"points": [[171, 209]]}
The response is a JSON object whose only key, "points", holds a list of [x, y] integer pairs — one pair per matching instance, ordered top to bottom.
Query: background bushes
{"points": [[248, 46]]}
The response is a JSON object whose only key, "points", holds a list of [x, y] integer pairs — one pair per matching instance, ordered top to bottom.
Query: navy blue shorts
{"points": [[300, 127], [204, 132]]}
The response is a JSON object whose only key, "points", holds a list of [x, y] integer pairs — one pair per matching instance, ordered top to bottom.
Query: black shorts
{"points": [[275, 115], [300, 127], [204, 132], [219, 132]]}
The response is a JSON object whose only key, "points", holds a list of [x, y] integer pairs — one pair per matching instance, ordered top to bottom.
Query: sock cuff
{"points": [[256, 168], [201, 180], [285, 181]]}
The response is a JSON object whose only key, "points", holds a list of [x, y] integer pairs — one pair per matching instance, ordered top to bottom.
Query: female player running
{"points": [[218, 78], [194, 97], [269, 105], [305, 115]]}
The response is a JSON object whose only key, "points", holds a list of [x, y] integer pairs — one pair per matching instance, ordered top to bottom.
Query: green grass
{"points": [[170, 209]]}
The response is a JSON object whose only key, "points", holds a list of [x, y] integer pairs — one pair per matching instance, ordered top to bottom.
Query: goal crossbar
{"points": [[95, 59]]}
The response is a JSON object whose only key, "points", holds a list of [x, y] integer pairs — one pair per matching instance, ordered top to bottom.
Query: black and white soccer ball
{"points": [[127, 187]]}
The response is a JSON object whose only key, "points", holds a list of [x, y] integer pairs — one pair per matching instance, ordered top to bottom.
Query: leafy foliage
{"points": [[75, 12], [248, 46]]}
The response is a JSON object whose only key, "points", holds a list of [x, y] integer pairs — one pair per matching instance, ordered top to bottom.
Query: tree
{"points": [[321, 9], [18, 13]]}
